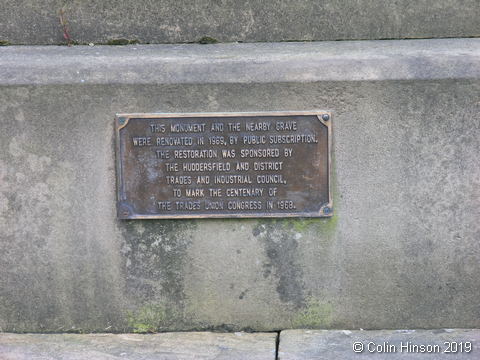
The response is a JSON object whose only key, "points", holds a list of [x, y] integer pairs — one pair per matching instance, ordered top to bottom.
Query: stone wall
{"points": [[174, 21], [402, 250]]}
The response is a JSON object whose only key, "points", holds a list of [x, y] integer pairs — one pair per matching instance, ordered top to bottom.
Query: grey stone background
{"points": [[173, 21], [402, 250]]}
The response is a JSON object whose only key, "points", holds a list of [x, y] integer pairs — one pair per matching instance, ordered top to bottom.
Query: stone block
{"points": [[172, 21], [401, 251], [455, 344], [167, 346]]}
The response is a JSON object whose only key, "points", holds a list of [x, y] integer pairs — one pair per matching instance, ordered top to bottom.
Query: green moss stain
{"points": [[207, 40], [122, 42], [4, 43], [323, 226], [316, 314], [150, 318]]}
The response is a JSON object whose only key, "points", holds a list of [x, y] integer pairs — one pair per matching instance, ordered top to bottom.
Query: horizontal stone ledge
{"points": [[242, 63], [293, 345], [166, 346]]}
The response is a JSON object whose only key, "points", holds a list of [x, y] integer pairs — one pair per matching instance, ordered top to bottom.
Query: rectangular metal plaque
{"points": [[223, 165]]}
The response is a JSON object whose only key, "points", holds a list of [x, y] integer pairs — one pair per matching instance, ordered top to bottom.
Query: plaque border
{"points": [[124, 211]]}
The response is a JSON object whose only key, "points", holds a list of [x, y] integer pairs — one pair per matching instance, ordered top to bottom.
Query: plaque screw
{"points": [[325, 117], [121, 120], [327, 210]]}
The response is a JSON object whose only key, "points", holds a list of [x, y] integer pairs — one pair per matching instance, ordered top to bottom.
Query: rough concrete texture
{"points": [[172, 21], [402, 250], [455, 344], [167, 346]]}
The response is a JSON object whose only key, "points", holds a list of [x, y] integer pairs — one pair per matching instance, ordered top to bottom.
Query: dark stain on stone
{"points": [[207, 40], [122, 42], [14, 204], [281, 251], [155, 253], [267, 270], [242, 294], [223, 328]]}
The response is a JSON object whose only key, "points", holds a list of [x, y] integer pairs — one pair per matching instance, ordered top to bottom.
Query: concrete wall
{"points": [[172, 21], [402, 250]]}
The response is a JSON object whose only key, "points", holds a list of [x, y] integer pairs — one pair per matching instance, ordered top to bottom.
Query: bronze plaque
{"points": [[223, 165]]}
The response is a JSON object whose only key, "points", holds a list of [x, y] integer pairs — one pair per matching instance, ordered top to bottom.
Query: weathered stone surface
{"points": [[171, 21], [242, 63], [402, 250], [379, 345], [167, 346]]}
